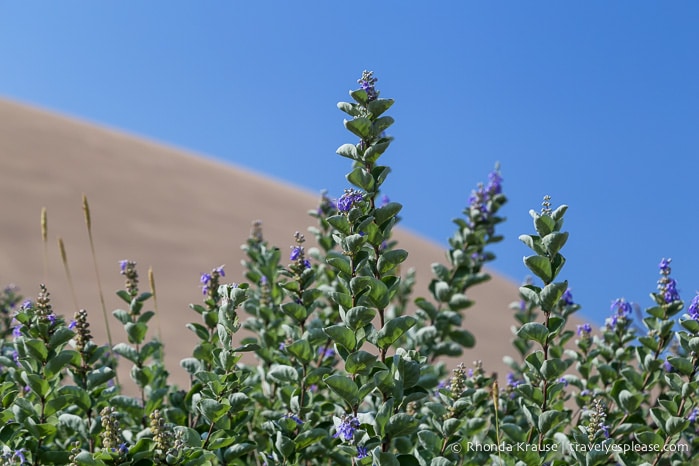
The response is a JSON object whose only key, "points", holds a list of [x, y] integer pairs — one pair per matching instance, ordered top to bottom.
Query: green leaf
{"points": [[359, 95], [379, 106], [348, 108], [381, 124], [360, 126], [349, 151], [362, 179], [387, 212], [340, 223], [544, 225], [553, 242], [534, 243], [390, 259], [339, 261], [540, 266], [530, 293], [551, 294], [295, 311], [358, 316], [199, 329], [393, 330], [533, 331], [136, 332], [60, 336], [342, 336], [463, 338], [37, 349], [301, 349], [127, 351], [535, 360], [360, 362], [57, 363], [683, 365], [553, 368], [283, 374], [99, 376], [37, 384], [344, 387], [629, 401], [212, 410], [382, 416], [548, 419], [73, 423], [401, 424], [675, 425], [514, 432], [308, 438], [650, 438], [381, 458]]}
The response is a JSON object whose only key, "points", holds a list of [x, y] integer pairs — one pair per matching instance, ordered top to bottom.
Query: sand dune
{"points": [[167, 209]]}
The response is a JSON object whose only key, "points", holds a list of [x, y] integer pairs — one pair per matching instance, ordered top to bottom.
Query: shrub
{"points": [[350, 368]]}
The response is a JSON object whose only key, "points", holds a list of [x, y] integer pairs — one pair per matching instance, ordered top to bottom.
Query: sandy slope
{"points": [[164, 208]]}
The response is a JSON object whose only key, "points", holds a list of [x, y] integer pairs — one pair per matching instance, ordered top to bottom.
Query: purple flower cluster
{"points": [[367, 83], [480, 197], [349, 199], [297, 253], [209, 279], [667, 285], [567, 298], [694, 308], [621, 310], [584, 330], [512, 382], [346, 429], [361, 452]]}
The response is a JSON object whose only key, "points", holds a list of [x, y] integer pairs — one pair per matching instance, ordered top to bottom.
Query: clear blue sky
{"points": [[594, 103]]}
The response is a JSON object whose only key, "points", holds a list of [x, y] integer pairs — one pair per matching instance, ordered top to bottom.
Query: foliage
{"points": [[350, 369]]}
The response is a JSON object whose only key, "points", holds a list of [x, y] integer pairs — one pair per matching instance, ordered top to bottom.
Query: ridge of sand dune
{"points": [[169, 209]]}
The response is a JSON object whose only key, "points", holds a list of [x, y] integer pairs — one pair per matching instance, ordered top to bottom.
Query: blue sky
{"points": [[594, 103]]}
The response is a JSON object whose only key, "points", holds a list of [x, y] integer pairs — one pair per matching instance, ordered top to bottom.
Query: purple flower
{"points": [[367, 83], [494, 183], [349, 199], [385, 200], [296, 252], [122, 265], [220, 271], [205, 280], [666, 285], [670, 292], [567, 298], [26, 305], [694, 308], [621, 309], [52, 319], [72, 324], [584, 329], [17, 331], [282, 346], [326, 352], [15, 357], [667, 366], [564, 381], [512, 382], [693, 415], [295, 418], [605, 429], [345, 430], [123, 449], [361, 452], [19, 454]]}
